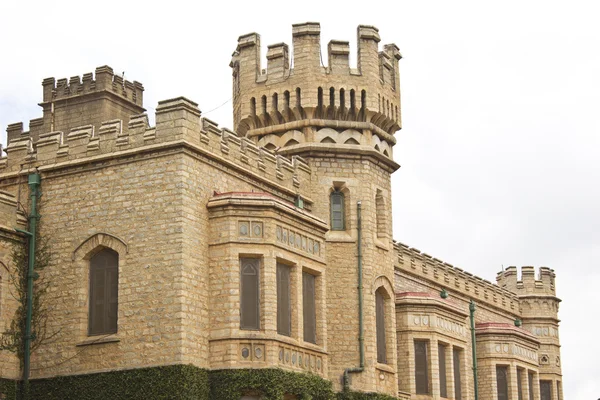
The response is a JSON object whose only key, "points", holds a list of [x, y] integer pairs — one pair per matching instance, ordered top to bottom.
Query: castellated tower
{"points": [[88, 100], [341, 120], [539, 311]]}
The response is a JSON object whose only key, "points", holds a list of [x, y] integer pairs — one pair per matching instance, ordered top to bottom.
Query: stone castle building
{"points": [[266, 246]]}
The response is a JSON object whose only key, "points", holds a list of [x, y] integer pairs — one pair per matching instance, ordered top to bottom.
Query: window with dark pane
{"points": [[337, 211], [249, 293], [104, 297], [309, 307], [284, 309], [380, 321], [456, 352], [442, 366], [421, 367], [530, 378], [502, 382], [519, 384], [546, 390], [558, 390]]}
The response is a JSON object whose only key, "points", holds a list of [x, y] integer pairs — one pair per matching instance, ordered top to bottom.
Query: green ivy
{"points": [[185, 382], [271, 384], [8, 388], [363, 396]]}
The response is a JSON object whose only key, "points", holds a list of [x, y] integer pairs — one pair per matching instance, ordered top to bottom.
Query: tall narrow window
{"points": [[298, 98], [337, 211], [380, 213], [104, 284], [249, 293], [309, 307], [284, 309], [380, 321], [456, 360], [442, 365], [421, 367], [530, 378], [502, 382], [519, 384], [546, 390], [558, 390]]}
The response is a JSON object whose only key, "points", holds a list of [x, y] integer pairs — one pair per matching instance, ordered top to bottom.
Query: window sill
{"points": [[339, 236], [380, 243], [112, 338], [385, 368]]}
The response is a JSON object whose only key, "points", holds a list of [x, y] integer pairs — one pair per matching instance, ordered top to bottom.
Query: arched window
{"points": [[337, 211], [249, 293], [104, 297], [380, 325]]}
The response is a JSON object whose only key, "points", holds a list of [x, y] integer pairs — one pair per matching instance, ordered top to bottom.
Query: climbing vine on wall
{"points": [[13, 338]]}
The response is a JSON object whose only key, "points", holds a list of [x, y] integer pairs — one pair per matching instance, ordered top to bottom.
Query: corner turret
{"points": [[295, 99], [543, 285], [539, 313]]}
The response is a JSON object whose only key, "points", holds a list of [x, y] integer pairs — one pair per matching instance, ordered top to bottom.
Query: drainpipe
{"points": [[34, 184], [361, 338], [474, 344]]}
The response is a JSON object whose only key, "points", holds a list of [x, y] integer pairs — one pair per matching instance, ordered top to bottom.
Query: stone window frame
{"points": [[341, 189], [337, 196], [380, 215], [81, 257], [260, 261], [110, 278], [385, 287], [295, 297], [285, 298], [320, 304], [312, 315], [380, 324], [434, 339], [451, 346], [428, 367], [499, 370], [462, 372], [443, 375], [550, 384]]}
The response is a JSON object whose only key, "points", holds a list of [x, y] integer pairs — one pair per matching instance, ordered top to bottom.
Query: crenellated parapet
{"points": [[104, 79], [298, 86], [79, 100], [178, 123], [454, 279], [529, 284]]}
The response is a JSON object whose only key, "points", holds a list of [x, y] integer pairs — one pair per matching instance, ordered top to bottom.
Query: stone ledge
{"points": [[98, 340]]}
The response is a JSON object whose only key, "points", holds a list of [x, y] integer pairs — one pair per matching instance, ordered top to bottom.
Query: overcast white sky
{"points": [[500, 104]]}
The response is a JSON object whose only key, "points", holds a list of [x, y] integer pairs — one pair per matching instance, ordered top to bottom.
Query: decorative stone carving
{"points": [[297, 241]]}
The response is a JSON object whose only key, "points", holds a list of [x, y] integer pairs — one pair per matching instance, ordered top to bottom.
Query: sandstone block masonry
{"points": [[302, 184]]}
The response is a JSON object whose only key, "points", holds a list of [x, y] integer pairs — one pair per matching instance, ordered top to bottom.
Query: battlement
{"points": [[105, 79], [302, 87], [81, 100], [178, 122], [454, 279], [530, 284]]}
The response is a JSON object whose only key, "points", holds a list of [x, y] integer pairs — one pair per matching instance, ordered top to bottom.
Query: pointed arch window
{"points": [[338, 222], [104, 288], [250, 295], [380, 325]]}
